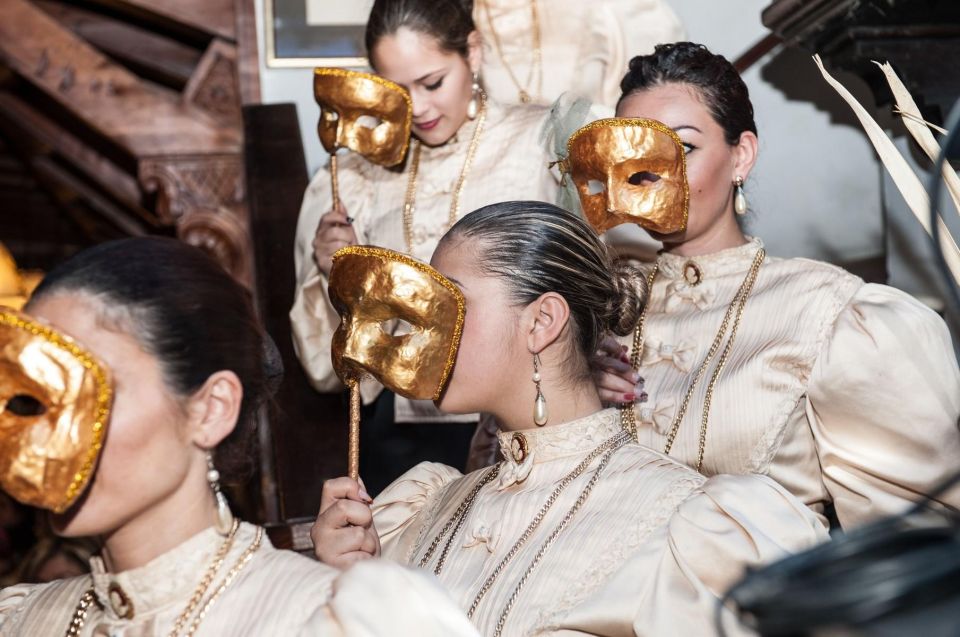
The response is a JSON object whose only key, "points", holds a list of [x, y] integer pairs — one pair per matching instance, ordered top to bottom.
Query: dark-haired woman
{"points": [[466, 152], [185, 351], [846, 393], [579, 531]]}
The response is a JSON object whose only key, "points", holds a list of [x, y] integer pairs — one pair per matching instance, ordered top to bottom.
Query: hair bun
{"points": [[629, 297]]}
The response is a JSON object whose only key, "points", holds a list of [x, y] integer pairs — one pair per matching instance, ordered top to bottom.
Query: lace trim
{"points": [[729, 261], [575, 437], [768, 445], [666, 505]]}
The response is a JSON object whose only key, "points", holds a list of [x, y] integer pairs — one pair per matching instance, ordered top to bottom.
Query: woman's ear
{"points": [[475, 51], [745, 155], [547, 317], [213, 409]]}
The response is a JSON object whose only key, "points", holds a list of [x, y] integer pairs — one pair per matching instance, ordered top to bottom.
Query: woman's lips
{"points": [[428, 125]]}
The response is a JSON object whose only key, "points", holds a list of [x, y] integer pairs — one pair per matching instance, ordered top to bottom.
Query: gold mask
{"points": [[363, 112], [630, 171], [371, 288], [54, 407]]}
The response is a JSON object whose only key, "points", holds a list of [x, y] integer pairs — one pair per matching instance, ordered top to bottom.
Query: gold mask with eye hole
{"points": [[366, 113], [630, 171], [374, 290], [54, 408]]}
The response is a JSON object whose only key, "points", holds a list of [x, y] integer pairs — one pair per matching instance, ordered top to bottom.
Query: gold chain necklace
{"points": [[536, 67], [409, 203], [734, 312], [606, 449], [89, 598]]}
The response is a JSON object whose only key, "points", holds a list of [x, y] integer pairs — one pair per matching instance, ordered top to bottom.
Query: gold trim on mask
{"points": [[388, 84], [625, 122], [390, 255], [104, 396]]}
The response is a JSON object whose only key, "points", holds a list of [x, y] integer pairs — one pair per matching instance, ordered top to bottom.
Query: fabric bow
{"points": [[680, 292], [681, 355], [659, 416], [513, 473], [482, 533]]}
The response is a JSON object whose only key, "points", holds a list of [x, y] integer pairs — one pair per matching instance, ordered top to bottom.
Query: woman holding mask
{"points": [[466, 151], [185, 351], [846, 393], [579, 530]]}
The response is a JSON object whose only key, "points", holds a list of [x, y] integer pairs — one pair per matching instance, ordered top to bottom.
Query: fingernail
{"points": [[625, 358], [637, 379], [629, 397], [365, 495]]}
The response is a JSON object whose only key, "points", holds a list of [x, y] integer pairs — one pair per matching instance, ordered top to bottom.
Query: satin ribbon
{"points": [[680, 292], [681, 355], [659, 416], [513, 473]]}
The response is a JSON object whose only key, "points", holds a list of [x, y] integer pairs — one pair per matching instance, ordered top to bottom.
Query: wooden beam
{"points": [[215, 17], [156, 57], [248, 61], [18, 118], [142, 118]]}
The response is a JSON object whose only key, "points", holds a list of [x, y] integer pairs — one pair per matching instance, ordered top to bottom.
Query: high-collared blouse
{"points": [[585, 46], [511, 163], [841, 391], [649, 552], [276, 593]]}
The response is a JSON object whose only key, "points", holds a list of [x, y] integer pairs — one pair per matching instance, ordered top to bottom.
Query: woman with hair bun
{"points": [[465, 151], [182, 343], [847, 393], [579, 530]]}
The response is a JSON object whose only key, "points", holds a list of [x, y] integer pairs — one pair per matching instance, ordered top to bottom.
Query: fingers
{"points": [[611, 346], [342, 488]]}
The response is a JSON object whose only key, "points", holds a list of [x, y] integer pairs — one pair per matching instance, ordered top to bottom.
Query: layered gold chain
{"points": [[536, 66], [410, 200], [733, 314], [456, 521], [89, 598]]}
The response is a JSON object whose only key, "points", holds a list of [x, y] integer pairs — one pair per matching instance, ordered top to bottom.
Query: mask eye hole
{"points": [[369, 121], [643, 178], [595, 187], [402, 328], [25, 406]]}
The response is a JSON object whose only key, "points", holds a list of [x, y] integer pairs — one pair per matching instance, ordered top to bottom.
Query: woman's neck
{"points": [[723, 235], [564, 403], [160, 529]]}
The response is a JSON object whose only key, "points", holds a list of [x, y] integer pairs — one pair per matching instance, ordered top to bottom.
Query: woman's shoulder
{"points": [[25, 602]]}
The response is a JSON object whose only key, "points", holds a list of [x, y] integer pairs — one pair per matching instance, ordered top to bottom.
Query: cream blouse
{"points": [[585, 46], [511, 163], [841, 391], [649, 553], [276, 593]]}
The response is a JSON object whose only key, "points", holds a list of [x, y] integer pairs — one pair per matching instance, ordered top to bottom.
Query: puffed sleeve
{"points": [[312, 317], [883, 403], [396, 511], [673, 583], [376, 598], [12, 601]]}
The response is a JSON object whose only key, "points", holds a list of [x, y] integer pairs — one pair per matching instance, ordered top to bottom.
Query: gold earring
{"points": [[473, 107], [739, 199], [540, 404], [224, 515]]}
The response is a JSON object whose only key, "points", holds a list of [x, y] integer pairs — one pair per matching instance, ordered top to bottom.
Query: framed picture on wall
{"points": [[308, 33]]}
